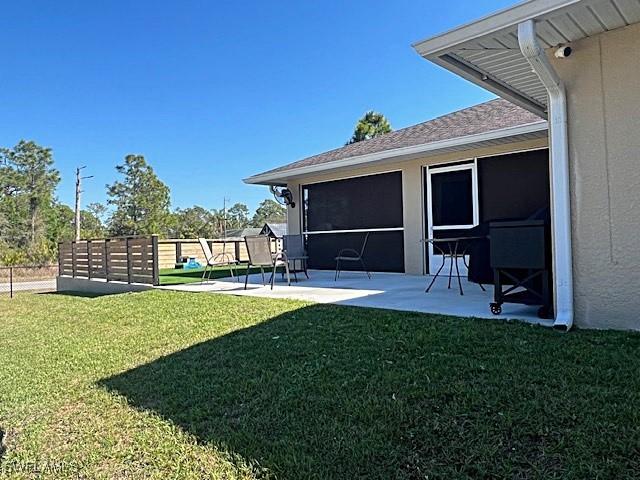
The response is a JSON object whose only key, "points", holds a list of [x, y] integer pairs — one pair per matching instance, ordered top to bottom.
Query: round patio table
{"points": [[449, 248]]}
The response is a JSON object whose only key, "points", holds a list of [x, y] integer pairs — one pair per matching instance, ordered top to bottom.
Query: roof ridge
{"points": [[494, 100], [494, 114], [386, 135]]}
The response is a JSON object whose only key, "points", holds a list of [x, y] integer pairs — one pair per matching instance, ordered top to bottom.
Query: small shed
{"points": [[274, 230]]}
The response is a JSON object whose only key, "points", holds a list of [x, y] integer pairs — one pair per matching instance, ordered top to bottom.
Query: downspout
{"points": [[560, 181]]}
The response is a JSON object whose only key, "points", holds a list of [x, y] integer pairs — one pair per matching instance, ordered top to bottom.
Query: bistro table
{"points": [[450, 249]]}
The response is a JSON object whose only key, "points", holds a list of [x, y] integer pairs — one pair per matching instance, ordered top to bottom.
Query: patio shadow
{"points": [[340, 392], [303, 393]]}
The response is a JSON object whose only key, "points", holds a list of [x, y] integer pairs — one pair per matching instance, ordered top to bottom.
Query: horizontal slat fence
{"points": [[126, 259], [139, 259]]}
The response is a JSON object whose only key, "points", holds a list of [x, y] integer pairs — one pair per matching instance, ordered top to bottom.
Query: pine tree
{"points": [[370, 125], [141, 200]]}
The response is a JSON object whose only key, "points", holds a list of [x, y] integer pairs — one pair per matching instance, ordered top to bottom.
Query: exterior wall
{"points": [[603, 88], [412, 183], [294, 215], [97, 286]]}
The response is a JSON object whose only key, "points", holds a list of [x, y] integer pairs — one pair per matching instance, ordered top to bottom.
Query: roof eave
{"points": [[503, 19], [441, 49], [488, 82], [280, 177]]}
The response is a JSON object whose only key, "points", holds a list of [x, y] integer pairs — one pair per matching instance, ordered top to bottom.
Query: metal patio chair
{"points": [[293, 247], [260, 255], [351, 255], [218, 260]]}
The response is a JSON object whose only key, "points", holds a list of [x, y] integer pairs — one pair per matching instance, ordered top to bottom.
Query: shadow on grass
{"points": [[78, 294], [339, 392]]}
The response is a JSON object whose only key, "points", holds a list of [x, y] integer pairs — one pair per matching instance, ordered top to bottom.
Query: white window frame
{"points": [[472, 165]]}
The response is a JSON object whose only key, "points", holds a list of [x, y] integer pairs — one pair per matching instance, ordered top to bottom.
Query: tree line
{"points": [[33, 220]]}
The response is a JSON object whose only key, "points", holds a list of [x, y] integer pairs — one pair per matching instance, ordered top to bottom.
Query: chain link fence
{"points": [[27, 278]]}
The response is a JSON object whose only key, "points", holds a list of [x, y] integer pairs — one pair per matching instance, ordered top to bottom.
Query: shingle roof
{"points": [[485, 117], [277, 229], [240, 233]]}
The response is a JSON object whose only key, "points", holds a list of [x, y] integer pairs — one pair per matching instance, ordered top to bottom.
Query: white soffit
{"points": [[486, 52]]}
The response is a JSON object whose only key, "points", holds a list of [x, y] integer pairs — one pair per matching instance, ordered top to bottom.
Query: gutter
{"points": [[280, 177], [560, 181]]}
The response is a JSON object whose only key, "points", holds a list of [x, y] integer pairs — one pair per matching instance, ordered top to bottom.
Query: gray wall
{"points": [[603, 86]]}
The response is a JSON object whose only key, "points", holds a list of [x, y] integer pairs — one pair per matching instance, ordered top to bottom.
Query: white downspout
{"points": [[560, 182]]}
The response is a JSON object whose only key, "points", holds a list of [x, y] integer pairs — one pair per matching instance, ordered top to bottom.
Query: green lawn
{"points": [[172, 276], [175, 385]]}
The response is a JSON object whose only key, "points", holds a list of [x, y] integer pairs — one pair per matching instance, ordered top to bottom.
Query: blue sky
{"points": [[212, 92]]}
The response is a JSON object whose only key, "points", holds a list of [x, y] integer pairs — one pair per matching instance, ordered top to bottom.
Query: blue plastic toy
{"points": [[191, 264]]}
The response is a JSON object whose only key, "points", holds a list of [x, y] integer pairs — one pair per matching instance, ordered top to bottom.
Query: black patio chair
{"points": [[293, 247], [351, 255]]}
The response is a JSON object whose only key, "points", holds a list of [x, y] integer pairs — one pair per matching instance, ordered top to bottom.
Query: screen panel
{"points": [[513, 186], [452, 198], [373, 201], [361, 203], [384, 251]]}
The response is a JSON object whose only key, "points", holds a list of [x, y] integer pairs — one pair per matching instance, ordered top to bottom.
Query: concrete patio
{"points": [[384, 290]]}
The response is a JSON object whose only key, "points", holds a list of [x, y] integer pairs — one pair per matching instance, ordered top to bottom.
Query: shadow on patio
{"points": [[341, 392]]}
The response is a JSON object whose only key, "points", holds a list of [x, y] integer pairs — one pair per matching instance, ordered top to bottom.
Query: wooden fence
{"points": [[172, 251], [126, 259], [139, 259]]}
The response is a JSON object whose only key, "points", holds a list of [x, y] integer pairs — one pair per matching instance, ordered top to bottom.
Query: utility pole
{"points": [[78, 194]]}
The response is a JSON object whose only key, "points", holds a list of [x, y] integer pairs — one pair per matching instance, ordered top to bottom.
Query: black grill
{"points": [[520, 258]]}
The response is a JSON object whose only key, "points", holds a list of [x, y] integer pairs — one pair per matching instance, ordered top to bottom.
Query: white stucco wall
{"points": [[602, 77]]}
